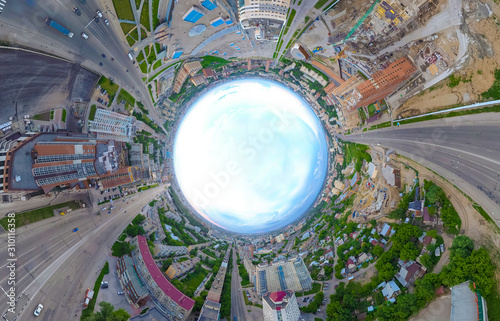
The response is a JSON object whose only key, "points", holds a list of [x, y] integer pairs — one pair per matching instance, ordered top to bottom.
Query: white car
{"points": [[99, 13], [106, 22], [84, 35], [38, 310]]}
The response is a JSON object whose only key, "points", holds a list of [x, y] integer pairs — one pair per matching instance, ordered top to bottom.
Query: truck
{"points": [[58, 27], [89, 294]]}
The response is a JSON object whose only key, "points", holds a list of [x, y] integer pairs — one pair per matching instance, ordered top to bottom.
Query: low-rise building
{"points": [[162, 250], [179, 269], [291, 274], [391, 290], [467, 305]]}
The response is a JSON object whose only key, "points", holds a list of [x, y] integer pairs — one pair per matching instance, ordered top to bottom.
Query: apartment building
{"points": [[108, 124], [162, 250], [179, 269], [291, 274], [172, 303], [280, 306]]}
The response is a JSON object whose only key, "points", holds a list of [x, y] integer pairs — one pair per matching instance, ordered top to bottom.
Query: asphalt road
{"points": [[23, 22], [39, 83], [465, 150], [56, 265], [238, 307]]}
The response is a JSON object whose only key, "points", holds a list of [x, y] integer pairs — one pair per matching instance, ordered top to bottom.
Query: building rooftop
{"points": [[162, 282]]}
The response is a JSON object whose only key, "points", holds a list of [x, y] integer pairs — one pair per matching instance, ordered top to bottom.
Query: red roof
{"points": [[427, 217], [427, 240], [350, 262], [171, 291], [277, 296]]}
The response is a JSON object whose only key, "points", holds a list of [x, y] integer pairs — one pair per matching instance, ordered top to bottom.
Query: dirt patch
{"points": [[478, 75], [437, 310]]}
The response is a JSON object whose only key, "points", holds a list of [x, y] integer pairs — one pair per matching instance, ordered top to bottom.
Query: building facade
{"points": [[108, 124], [162, 250], [179, 269], [283, 275], [172, 303], [280, 306]]}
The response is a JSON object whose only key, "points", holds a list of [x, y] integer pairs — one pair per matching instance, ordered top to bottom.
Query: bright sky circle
{"points": [[250, 156]]}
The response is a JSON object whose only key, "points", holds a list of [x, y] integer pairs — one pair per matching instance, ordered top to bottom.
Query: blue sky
{"points": [[250, 156]]}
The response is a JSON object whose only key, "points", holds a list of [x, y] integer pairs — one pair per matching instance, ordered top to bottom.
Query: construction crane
{"points": [[356, 26]]}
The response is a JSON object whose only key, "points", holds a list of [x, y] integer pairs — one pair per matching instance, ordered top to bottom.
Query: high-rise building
{"points": [[266, 17], [384, 82], [108, 124], [291, 274], [280, 306]]}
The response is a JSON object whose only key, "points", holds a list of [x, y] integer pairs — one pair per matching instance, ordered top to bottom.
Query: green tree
{"points": [[462, 246], [378, 250], [426, 260]]}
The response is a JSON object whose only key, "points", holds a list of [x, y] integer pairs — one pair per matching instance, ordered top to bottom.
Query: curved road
{"points": [[465, 150], [56, 265]]}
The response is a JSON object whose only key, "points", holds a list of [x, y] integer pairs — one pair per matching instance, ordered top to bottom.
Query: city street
{"points": [[23, 23], [464, 150], [55, 265], [238, 307]]}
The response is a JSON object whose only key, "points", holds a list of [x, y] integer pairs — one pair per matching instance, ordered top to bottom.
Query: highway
{"points": [[23, 22], [465, 150], [55, 265], [238, 307]]}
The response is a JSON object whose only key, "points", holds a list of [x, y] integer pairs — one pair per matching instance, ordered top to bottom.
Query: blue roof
{"points": [[208, 4], [193, 15], [229, 21], [217, 22], [177, 53]]}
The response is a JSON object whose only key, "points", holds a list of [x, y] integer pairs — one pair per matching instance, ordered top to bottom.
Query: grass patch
{"points": [[320, 4], [123, 9], [145, 15], [290, 19], [306, 19], [156, 20], [126, 27], [143, 34], [131, 41], [158, 48], [140, 57], [151, 57], [212, 62], [157, 64], [144, 67], [159, 72], [109, 86], [494, 91], [125, 96], [93, 109], [492, 109], [371, 110], [51, 114], [43, 116], [63, 119], [382, 125], [144, 188], [39, 214], [315, 289], [492, 303], [88, 311]]}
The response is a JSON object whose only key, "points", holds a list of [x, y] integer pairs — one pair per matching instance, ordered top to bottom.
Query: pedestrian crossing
{"points": [[2, 5]]}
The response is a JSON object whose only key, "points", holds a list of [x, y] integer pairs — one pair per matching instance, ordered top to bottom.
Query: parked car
{"points": [[77, 11], [99, 13], [106, 22], [75, 229], [104, 284], [120, 293], [38, 310]]}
